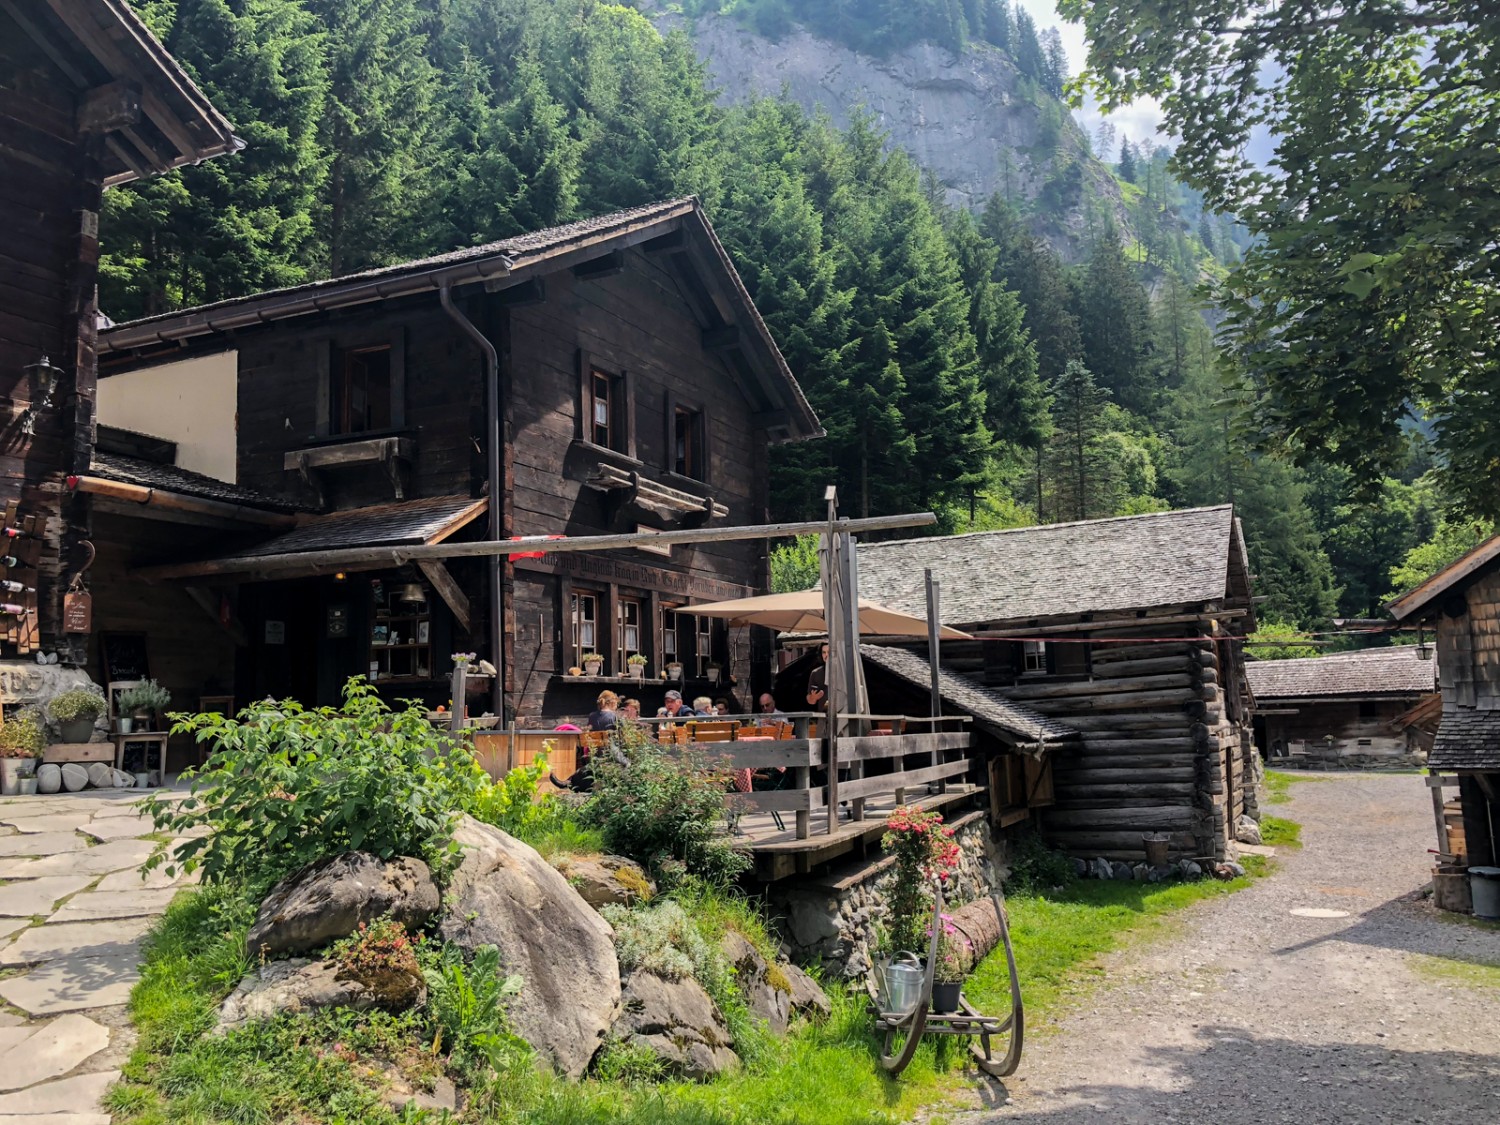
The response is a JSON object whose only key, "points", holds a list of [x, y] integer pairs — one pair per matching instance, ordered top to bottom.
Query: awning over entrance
{"points": [[380, 531]]}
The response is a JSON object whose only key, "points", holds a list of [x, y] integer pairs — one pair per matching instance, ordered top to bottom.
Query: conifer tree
{"points": [[1127, 161], [1031, 268], [1115, 325], [1082, 474]]}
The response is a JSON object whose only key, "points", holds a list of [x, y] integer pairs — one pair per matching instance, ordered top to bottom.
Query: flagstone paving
{"points": [[73, 910]]}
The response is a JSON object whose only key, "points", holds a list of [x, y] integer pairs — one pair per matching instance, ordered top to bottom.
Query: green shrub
{"points": [[148, 695], [76, 703], [22, 736], [285, 786], [511, 804], [664, 809], [1036, 868], [375, 948], [466, 1006]]}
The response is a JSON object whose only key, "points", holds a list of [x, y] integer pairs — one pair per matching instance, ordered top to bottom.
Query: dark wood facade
{"points": [[87, 98], [638, 390]]}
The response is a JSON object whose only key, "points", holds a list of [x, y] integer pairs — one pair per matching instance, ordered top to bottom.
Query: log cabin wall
{"points": [[49, 202], [634, 327], [1468, 646], [1361, 730], [1163, 743]]}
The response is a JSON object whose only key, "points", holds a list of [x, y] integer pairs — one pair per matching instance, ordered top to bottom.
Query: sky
{"points": [[1141, 120]]}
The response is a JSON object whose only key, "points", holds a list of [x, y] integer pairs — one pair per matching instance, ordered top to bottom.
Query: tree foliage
{"points": [[1371, 290]]}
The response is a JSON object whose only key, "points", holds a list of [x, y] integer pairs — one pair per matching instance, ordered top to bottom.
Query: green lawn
{"points": [[1279, 785], [1279, 832], [1474, 974]]}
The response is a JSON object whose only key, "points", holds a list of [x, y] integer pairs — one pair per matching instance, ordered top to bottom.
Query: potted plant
{"points": [[593, 663], [637, 665], [673, 670], [713, 672], [140, 703], [75, 712], [21, 744], [26, 778], [955, 957]]}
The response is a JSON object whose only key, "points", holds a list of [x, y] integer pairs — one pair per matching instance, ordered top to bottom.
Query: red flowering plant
{"points": [[923, 848], [955, 953]]}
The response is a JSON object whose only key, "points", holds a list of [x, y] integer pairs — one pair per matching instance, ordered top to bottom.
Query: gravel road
{"points": [[1252, 1014]]}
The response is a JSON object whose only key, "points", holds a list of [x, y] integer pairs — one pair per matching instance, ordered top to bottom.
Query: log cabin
{"points": [[88, 99], [610, 375], [1462, 603], [1123, 630], [1343, 710]]}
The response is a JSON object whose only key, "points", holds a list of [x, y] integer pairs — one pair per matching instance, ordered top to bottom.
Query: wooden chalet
{"points": [[88, 99], [611, 375], [1462, 603], [1122, 635], [1345, 709]]}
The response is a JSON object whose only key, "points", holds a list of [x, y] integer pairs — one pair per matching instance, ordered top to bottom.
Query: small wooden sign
{"points": [[78, 611]]}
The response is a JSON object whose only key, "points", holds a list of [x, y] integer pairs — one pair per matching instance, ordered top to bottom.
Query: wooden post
{"points": [[849, 628], [934, 659], [460, 687], [834, 688], [1442, 822]]}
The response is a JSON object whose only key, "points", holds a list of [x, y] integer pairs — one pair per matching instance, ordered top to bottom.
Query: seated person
{"points": [[703, 705], [721, 706], [767, 707], [675, 708], [631, 710], [604, 716]]}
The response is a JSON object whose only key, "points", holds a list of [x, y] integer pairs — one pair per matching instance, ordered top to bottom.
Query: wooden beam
{"points": [[109, 107], [666, 243], [606, 265], [532, 291], [722, 338], [177, 502], [350, 558], [442, 581], [205, 601]]}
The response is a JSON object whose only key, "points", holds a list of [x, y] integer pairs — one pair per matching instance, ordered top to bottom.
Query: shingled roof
{"points": [[169, 478], [1132, 562], [1376, 671], [989, 708], [1468, 738]]}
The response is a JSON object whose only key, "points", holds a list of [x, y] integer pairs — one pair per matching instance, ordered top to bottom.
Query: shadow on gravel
{"points": [[1406, 924], [1230, 1078]]}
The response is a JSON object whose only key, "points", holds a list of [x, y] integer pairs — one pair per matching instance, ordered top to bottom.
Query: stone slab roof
{"points": [[169, 478], [1096, 566], [1375, 671], [988, 707], [1467, 739]]}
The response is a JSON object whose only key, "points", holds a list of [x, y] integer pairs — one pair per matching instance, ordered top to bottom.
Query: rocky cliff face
{"points": [[967, 118]]}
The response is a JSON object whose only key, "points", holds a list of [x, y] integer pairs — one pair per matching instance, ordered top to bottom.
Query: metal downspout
{"points": [[492, 444]]}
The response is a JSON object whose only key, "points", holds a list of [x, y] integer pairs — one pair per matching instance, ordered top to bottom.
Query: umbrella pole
{"points": [[849, 627], [934, 639]]}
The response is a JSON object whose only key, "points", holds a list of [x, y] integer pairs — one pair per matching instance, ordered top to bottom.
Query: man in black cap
{"points": [[675, 708]]}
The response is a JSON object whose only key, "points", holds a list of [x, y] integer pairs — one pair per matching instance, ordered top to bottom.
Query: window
{"points": [[360, 391], [604, 410], [687, 443], [584, 614], [627, 632], [703, 632], [668, 634], [1033, 657], [1070, 658], [1369, 710]]}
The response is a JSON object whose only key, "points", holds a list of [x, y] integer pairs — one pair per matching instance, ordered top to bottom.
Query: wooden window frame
{"points": [[330, 356], [621, 424], [703, 429], [669, 625], [573, 635], [623, 651], [1035, 659]]}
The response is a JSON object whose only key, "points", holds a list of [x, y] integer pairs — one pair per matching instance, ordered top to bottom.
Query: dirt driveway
{"points": [[1253, 1015]]}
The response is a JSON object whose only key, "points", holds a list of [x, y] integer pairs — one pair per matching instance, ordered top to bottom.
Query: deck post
{"points": [[849, 627], [934, 656]]}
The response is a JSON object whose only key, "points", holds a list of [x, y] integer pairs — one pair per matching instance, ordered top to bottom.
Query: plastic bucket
{"points": [[1484, 885], [902, 987]]}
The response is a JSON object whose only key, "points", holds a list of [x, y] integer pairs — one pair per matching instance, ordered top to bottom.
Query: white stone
{"points": [[101, 775], [74, 777], [48, 778], [105, 808], [31, 824], [119, 828], [43, 843], [119, 855], [156, 880], [39, 896], [97, 905], [118, 938], [72, 984], [10, 1036], [54, 1049], [77, 1095]]}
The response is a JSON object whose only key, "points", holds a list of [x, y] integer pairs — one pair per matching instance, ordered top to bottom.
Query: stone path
{"points": [[73, 910], [1331, 993]]}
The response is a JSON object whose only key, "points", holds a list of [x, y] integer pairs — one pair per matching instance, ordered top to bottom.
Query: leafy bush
{"points": [[148, 695], [76, 703], [22, 736], [285, 786], [511, 804], [664, 809], [924, 851], [1034, 867], [372, 950], [466, 1005]]}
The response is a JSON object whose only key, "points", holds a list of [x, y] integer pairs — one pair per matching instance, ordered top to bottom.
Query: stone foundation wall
{"points": [[832, 919]]}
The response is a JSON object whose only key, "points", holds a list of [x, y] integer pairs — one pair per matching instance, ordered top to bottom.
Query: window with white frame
{"points": [[583, 612], [627, 632], [1033, 657]]}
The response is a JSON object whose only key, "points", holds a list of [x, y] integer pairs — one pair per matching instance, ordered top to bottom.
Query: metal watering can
{"points": [[901, 986]]}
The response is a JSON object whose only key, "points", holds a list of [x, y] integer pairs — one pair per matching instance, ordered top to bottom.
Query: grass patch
{"points": [[1279, 785], [1280, 833], [1466, 920], [1059, 937], [1474, 974]]}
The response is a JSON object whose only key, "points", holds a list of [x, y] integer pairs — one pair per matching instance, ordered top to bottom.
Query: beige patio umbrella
{"points": [[802, 612]]}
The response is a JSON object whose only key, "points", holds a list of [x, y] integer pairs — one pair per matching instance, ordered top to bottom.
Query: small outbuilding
{"points": [[1345, 709]]}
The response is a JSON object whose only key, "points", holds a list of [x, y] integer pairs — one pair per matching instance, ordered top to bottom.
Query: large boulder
{"points": [[1247, 831], [604, 880], [506, 895], [328, 900], [292, 986], [767, 992], [807, 999], [677, 1022]]}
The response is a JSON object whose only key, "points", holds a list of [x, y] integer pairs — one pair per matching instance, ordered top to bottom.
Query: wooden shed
{"points": [[88, 98], [1462, 601], [1124, 630], [1347, 709]]}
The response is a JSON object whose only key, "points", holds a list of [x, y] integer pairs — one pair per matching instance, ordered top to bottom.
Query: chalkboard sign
{"points": [[124, 657]]}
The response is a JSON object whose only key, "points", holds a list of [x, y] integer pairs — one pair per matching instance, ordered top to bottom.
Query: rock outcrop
{"points": [[604, 880], [506, 895], [328, 900], [292, 986], [767, 992], [677, 1022]]}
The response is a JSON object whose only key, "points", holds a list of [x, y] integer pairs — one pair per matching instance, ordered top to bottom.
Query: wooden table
{"points": [[149, 739]]}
